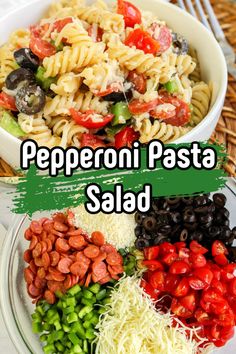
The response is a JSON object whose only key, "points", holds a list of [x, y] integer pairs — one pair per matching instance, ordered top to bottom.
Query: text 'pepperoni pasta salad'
{"points": [[100, 75]]}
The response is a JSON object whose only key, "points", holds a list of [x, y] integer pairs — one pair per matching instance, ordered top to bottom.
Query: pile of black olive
{"points": [[29, 97], [185, 219]]}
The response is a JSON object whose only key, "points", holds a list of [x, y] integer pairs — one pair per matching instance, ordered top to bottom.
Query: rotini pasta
{"points": [[73, 58], [94, 72]]}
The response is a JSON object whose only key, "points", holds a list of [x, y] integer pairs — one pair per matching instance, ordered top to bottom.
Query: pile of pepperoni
{"points": [[60, 256]]}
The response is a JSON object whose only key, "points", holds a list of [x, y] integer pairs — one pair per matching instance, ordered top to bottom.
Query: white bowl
{"points": [[211, 58]]}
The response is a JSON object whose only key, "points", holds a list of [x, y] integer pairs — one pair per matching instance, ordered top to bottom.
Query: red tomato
{"points": [[131, 13], [60, 24], [96, 32], [162, 35], [142, 40], [41, 48], [139, 81], [115, 87], [7, 101], [138, 107], [178, 116], [91, 119], [126, 137], [91, 141], [180, 245], [195, 247], [166, 248], [218, 248], [151, 252], [184, 254], [169, 258], [198, 260], [221, 260], [153, 265], [179, 267], [230, 268], [215, 270], [204, 274], [157, 280], [171, 282], [196, 283], [219, 286], [232, 287], [182, 288], [149, 289], [212, 296], [189, 301], [219, 307], [180, 310], [202, 317], [225, 319], [215, 331], [227, 332], [220, 343]]}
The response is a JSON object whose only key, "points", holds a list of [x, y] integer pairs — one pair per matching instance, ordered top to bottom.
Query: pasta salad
{"points": [[100, 75]]}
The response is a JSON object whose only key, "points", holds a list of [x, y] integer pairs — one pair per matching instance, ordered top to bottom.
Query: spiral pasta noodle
{"points": [[74, 34], [73, 58], [183, 64], [67, 84], [200, 101], [60, 105], [160, 130], [42, 134]]}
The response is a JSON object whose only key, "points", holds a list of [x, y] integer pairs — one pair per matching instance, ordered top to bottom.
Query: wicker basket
{"points": [[226, 129]]}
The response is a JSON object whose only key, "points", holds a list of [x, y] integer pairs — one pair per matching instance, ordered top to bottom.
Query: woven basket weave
{"points": [[226, 128]]}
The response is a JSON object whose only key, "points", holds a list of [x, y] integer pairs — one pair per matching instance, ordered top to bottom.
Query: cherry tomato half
{"points": [[131, 13], [60, 24], [96, 33], [142, 40], [139, 81], [7, 101], [138, 107], [90, 119], [126, 137], [91, 141], [195, 247], [218, 248], [151, 252], [221, 259], [198, 260], [153, 264], [179, 267], [204, 274], [157, 280], [171, 282], [182, 288], [149, 289], [189, 301], [180, 310]]}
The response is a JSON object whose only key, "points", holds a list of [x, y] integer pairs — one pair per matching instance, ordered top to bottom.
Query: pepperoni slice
{"points": [[162, 35], [59, 217], [48, 226], [59, 226], [36, 227], [77, 232], [58, 233], [28, 234], [44, 235], [52, 238], [98, 238], [33, 242], [77, 242], [49, 244], [62, 245], [44, 246], [108, 248], [37, 250], [91, 251], [27, 256], [80, 257], [101, 257], [54, 258], [114, 259], [46, 260], [38, 262], [64, 265], [32, 266], [79, 268], [117, 269], [99, 270], [41, 273], [29, 275], [56, 275], [49, 277], [115, 277], [75, 279], [88, 280], [105, 280], [82, 281], [68, 282], [40, 283], [54, 286], [33, 291], [49, 297]]}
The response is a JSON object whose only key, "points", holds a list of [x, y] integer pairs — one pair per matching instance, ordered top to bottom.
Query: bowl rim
{"points": [[216, 107]]}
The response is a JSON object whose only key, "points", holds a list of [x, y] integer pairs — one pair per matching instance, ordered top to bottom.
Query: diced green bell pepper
{"points": [[45, 83], [171, 86], [121, 113], [8, 122]]}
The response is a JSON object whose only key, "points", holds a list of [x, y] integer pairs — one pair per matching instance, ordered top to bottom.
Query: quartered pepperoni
{"points": [[60, 217], [48, 226], [59, 226], [36, 227], [77, 232], [58, 233], [28, 234], [44, 235], [52, 238], [98, 238], [33, 242], [77, 242], [49, 245], [62, 245], [44, 246], [107, 248], [37, 250], [91, 251], [27, 256], [101, 257], [54, 258], [82, 258], [114, 259], [45, 260], [38, 262], [64, 265], [32, 266], [79, 268], [118, 269], [99, 270], [41, 273], [56, 274], [29, 275], [49, 277], [75, 279], [88, 279], [105, 280], [68, 282], [40, 283], [54, 286], [34, 291], [49, 297]]}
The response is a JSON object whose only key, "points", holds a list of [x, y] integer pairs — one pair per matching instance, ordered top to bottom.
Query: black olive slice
{"points": [[180, 44], [26, 59], [19, 76], [118, 96], [30, 99]]}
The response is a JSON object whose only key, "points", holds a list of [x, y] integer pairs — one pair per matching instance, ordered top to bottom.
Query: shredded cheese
{"points": [[118, 229], [132, 325]]}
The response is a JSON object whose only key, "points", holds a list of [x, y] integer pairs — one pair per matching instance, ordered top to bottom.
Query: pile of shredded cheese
{"points": [[118, 229], [132, 325]]}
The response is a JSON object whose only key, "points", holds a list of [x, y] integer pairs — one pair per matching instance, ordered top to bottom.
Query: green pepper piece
{"points": [[59, 48], [45, 83], [171, 86], [121, 113], [8, 123], [111, 131], [95, 288], [75, 290], [101, 295], [73, 338]]}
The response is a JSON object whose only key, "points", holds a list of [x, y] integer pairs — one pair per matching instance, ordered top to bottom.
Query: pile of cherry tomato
{"points": [[200, 286]]}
